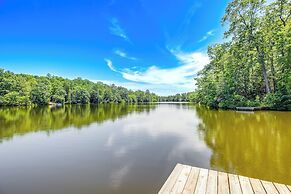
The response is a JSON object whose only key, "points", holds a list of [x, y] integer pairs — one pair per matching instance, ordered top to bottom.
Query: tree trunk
{"points": [[261, 59], [273, 73]]}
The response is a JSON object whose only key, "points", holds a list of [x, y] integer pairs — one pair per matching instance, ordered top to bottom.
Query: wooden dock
{"points": [[250, 108], [186, 179]]}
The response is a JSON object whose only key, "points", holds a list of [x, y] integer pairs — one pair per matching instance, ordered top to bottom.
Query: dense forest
{"points": [[253, 66], [22, 90], [183, 97]]}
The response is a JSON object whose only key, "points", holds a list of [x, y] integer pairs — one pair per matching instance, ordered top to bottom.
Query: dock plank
{"points": [[171, 179], [182, 179], [192, 181], [202, 182], [212, 182], [234, 184], [245, 185], [223, 186], [257, 186], [269, 187], [283, 189]]}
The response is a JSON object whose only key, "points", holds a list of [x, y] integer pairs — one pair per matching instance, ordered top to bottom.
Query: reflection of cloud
{"points": [[184, 118], [182, 126], [110, 140], [120, 152], [117, 176]]}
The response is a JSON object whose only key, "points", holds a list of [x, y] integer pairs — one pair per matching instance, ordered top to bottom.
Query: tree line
{"points": [[253, 66], [24, 90], [183, 97]]}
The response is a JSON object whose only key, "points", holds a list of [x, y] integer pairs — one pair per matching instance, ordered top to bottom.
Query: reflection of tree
{"points": [[22, 120], [256, 145]]}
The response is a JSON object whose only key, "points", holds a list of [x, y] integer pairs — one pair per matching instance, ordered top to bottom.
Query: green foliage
{"points": [[253, 67], [21, 90], [40, 94], [58, 96], [80, 96], [95, 97], [184, 97], [14, 98], [233, 101], [278, 101]]}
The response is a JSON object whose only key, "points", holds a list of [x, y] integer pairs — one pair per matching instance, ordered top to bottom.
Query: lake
{"points": [[132, 149]]}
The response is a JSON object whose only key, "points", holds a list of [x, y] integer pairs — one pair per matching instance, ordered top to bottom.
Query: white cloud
{"points": [[116, 30], [207, 35], [124, 55], [110, 65], [182, 75], [165, 81], [160, 89]]}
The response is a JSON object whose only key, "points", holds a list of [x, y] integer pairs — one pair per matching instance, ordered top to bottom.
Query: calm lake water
{"points": [[131, 149]]}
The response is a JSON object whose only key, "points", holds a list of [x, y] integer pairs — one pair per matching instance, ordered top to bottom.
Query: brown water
{"points": [[131, 149]]}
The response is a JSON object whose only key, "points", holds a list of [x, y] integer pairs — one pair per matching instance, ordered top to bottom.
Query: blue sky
{"points": [[158, 45]]}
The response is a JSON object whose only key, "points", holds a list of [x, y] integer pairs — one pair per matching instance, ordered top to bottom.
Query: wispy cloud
{"points": [[191, 12], [116, 29], [207, 35], [124, 55], [190, 64], [110, 65], [178, 77], [160, 89]]}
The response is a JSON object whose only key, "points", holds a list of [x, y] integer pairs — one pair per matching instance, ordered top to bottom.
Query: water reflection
{"points": [[22, 120], [256, 145], [132, 148]]}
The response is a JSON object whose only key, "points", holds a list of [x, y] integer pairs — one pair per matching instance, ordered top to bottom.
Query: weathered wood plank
{"points": [[171, 179], [182, 179], [188, 180], [192, 181], [202, 182], [212, 182], [234, 184], [245, 185], [223, 186], [257, 186], [269, 187], [283, 189]]}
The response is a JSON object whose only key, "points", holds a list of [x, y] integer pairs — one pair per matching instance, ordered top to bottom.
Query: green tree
{"points": [[253, 67], [40, 93], [58, 96], [80, 96]]}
